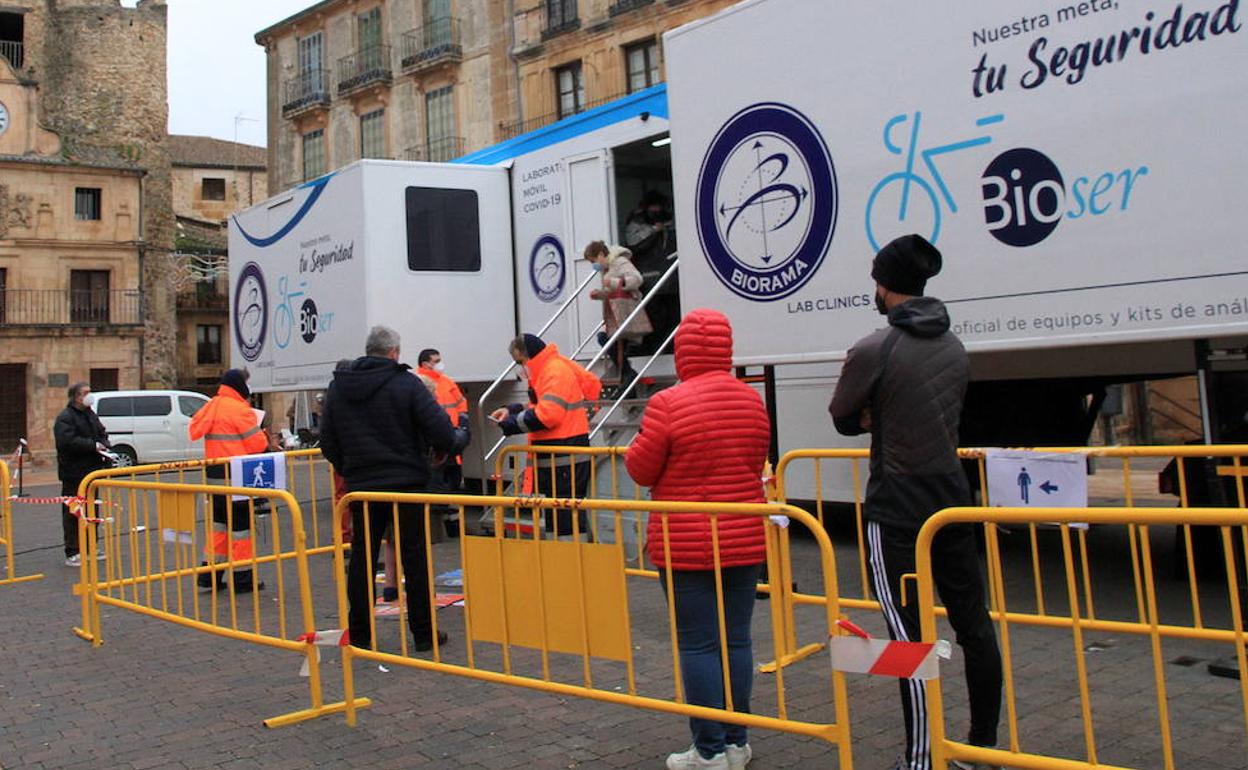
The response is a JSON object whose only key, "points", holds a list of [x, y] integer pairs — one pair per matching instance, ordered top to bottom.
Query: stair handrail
{"points": [[645, 300], [633, 384], [481, 416]]}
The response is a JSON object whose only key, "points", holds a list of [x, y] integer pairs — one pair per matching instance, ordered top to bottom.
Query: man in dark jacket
{"points": [[905, 384], [377, 428], [80, 441]]}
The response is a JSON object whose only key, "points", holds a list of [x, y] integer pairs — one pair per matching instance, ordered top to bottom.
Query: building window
{"points": [[560, 14], [12, 37], [369, 37], [642, 63], [312, 79], [570, 88], [440, 124], [373, 134], [313, 154], [212, 189], [86, 203], [88, 296], [207, 344], [103, 380]]}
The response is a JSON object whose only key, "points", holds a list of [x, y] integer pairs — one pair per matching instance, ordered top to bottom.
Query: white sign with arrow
{"points": [[1037, 479]]}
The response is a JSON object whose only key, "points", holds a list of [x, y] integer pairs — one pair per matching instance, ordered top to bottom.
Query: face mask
{"points": [[880, 306], [439, 367]]}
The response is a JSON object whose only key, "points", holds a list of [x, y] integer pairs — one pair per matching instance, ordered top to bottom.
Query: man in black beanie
{"points": [[905, 385]]}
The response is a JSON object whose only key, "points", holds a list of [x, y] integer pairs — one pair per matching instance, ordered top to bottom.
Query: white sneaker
{"points": [[74, 561], [739, 756], [692, 760]]}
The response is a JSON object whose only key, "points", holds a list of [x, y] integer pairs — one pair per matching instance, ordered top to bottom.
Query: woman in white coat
{"points": [[620, 293]]}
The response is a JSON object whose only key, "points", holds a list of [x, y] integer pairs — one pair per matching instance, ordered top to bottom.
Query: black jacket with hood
{"points": [[910, 380], [379, 423], [77, 431]]}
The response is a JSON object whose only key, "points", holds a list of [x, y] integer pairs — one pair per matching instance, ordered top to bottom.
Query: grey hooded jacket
{"points": [[908, 381]]}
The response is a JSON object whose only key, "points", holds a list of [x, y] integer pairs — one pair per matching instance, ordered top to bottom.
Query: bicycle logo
{"points": [[766, 202], [907, 219], [547, 268], [251, 311], [284, 315]]}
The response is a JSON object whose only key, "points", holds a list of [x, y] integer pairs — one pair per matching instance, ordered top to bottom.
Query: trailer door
{"points": [[590, 216]]}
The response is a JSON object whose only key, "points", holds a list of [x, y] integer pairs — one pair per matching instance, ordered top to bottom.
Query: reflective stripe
{"points": [[458, 403], [565, 404], [232, 436], [236, 534]]}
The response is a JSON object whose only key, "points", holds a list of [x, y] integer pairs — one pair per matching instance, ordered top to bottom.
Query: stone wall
{"points": [[103, 88], [243, 188]]}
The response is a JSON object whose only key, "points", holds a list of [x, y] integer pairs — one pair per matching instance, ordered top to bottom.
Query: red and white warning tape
{"points": [[76, 505], [332, 638], [861, 654]]}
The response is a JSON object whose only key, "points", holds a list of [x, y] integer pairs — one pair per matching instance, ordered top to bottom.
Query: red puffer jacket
{"points": [[703, 440]]}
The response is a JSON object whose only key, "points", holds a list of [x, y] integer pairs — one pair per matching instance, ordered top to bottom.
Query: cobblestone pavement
{"points": [[156, 695]]}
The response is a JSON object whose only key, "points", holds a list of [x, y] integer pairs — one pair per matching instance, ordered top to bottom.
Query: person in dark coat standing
{"points": [[905, 384], [377, 427], [80, 443]]}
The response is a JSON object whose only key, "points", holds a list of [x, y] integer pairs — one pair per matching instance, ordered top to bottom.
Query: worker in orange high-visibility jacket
{"points": [[561, 393], [452, 399], [228, 426]]}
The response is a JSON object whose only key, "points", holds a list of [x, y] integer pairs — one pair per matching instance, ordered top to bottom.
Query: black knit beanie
{"points": [[905, 264], [533, 345], [236, 379]]}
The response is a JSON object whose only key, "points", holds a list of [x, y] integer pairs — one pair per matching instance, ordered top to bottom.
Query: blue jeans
{"points": [[697, 632]]}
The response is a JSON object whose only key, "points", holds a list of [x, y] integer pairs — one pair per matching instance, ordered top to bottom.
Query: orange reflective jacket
{"points": [[564, 391], [448, 394], [228, 426]]}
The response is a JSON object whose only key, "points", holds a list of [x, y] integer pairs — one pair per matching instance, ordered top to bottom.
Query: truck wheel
{"points": [[126, 456]]}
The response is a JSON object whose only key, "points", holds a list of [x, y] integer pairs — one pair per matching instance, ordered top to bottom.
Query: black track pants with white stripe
{"points": [[960, 584]]}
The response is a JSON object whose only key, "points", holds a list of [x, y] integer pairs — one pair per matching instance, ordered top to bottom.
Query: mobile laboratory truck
{"points": [[1073, 162]]}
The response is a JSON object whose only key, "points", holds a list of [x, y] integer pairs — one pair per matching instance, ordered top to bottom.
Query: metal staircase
{"points": [[614, 420]]}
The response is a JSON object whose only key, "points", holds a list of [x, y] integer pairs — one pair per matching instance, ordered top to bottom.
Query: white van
{"points": [[149, 426]]}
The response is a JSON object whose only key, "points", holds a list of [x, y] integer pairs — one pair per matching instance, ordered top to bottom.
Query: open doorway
{"points": [[12, 36], [647, 227]]}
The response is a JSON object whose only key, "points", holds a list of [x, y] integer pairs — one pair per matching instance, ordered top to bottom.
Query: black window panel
{"points": [[443, 230], [103, 379], [190, 405], [119, 406], [152, 406]]}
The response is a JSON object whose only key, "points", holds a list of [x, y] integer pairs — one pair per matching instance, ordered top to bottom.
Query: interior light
{"points": [[665, 141]]}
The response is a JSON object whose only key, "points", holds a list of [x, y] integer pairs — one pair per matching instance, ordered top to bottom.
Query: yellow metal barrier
{"points": [[6, 530], [149, 535], [562, 608], [1149, 624]]}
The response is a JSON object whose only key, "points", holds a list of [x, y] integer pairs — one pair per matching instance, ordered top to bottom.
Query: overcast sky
{"points": [[216, 70]]}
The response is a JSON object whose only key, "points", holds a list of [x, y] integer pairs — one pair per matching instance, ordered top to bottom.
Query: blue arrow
{"points": [[1048, 487]]}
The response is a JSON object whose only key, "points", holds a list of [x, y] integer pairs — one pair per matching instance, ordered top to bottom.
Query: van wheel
{"points": [[125, 456]]}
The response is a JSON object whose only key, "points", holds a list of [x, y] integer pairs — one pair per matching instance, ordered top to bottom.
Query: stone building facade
{"points": [[436, 79], [212, 179], [86, 221]]}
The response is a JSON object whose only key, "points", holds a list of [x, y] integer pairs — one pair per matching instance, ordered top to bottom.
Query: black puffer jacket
{"points": [[910, 379], [378, 424], [77, 431]]}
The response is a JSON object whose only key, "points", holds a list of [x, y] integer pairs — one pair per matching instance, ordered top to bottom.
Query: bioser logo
{"points": [[766, 202], [547, 268], [251, 311]]}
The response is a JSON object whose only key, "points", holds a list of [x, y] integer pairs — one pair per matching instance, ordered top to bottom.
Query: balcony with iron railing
{"points": [[624, 6], [434, 44], [12, 51], [363, 68], [307, 90], [516, 128], [436, 151], [200, 300], [65, 307]]}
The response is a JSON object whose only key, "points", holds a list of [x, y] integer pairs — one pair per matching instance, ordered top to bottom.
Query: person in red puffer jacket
{"points": [[706, 440]]}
